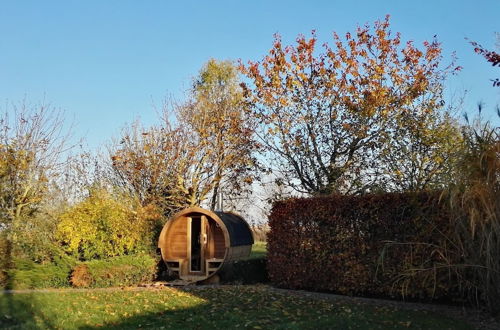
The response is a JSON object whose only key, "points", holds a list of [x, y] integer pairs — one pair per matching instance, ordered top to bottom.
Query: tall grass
{"points": [[475, 203], [471, 249]]}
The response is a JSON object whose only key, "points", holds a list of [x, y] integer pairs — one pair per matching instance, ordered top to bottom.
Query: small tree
{"points": [[32, 146], [422, 152]]}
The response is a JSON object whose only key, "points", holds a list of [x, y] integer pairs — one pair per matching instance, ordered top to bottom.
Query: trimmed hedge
{"points": [[383, 245], [117, 271], [30, 275]]}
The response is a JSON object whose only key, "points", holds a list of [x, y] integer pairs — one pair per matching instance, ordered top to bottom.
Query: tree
{"points": [[324, 118], [222, 131], [201, 144], [32, 145], [148, 162]]}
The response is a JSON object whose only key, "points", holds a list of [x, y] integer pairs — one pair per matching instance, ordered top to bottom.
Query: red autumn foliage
{"points": [[490, 56], [372, 245]]}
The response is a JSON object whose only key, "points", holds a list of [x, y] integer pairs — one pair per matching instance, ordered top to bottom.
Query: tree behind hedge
{"points": [[325, 118]]}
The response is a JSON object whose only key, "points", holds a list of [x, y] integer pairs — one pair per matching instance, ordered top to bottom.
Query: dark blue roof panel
{"points": [[239, 231]]}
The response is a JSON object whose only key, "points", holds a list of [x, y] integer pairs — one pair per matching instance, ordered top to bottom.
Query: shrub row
{"points": [[372, 245], [117, 271], [27, 274]]}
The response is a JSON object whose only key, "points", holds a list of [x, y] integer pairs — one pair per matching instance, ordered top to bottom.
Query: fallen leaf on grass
{"points": [[406, 324]]}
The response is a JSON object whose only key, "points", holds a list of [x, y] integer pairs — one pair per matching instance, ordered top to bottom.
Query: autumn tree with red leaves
{"points": [[326, 117]]}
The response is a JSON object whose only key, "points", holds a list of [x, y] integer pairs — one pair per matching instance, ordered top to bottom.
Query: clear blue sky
{"points": [[107, 62]]}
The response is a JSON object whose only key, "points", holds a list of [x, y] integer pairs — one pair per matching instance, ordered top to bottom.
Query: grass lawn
{"points": [[259, 250], [226, 307]]}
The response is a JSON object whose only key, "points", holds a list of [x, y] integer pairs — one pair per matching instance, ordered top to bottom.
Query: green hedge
{"points": [[372, 245], [117, 271], [30, 275]]}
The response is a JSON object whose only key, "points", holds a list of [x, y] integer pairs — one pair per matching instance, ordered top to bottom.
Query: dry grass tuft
{"points": [[81, 277]]}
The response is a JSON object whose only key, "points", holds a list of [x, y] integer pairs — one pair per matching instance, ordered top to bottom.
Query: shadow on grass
{"points": [[16, 311], [22, 311], [187, 318]]}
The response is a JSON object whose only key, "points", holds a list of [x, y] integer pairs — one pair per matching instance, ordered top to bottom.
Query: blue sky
{"points": [[109, 62]]}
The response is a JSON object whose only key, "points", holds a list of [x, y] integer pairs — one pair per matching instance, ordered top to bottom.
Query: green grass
{"points": [[259, 250], [229, 307]]}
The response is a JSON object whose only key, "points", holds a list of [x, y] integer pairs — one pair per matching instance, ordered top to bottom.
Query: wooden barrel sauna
{"points": [[196, 243]]}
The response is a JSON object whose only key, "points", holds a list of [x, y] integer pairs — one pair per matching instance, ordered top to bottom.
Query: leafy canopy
{"points": [[326, 117]]}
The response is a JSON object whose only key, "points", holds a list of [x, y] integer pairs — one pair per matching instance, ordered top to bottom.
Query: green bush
{"points": [[106, 224], [32, 237], [27, 249], [117, 271], [26, 274]]}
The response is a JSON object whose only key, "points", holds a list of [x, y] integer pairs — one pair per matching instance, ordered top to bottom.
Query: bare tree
{"points": [[33, 141]]}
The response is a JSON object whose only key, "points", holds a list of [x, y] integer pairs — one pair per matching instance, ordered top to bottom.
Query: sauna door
{"points": [[196, 243]]}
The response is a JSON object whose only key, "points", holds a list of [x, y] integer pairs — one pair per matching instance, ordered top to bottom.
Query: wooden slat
{"points": [[219, 243]]}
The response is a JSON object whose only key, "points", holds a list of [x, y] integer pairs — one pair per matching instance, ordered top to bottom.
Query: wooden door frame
{"points": [[203, 234]]}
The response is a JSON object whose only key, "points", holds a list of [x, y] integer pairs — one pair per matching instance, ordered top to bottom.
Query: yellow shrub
{"points": [[105, 224]]}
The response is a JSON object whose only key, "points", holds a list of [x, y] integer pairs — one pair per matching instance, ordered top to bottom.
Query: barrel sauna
{"points": [[196, 243]]}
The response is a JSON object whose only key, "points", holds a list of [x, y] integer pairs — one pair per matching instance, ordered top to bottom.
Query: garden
{"points": [[373, 187]]}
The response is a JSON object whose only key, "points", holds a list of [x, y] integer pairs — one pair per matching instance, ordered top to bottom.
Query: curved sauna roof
{"points": [[238, 229]]}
